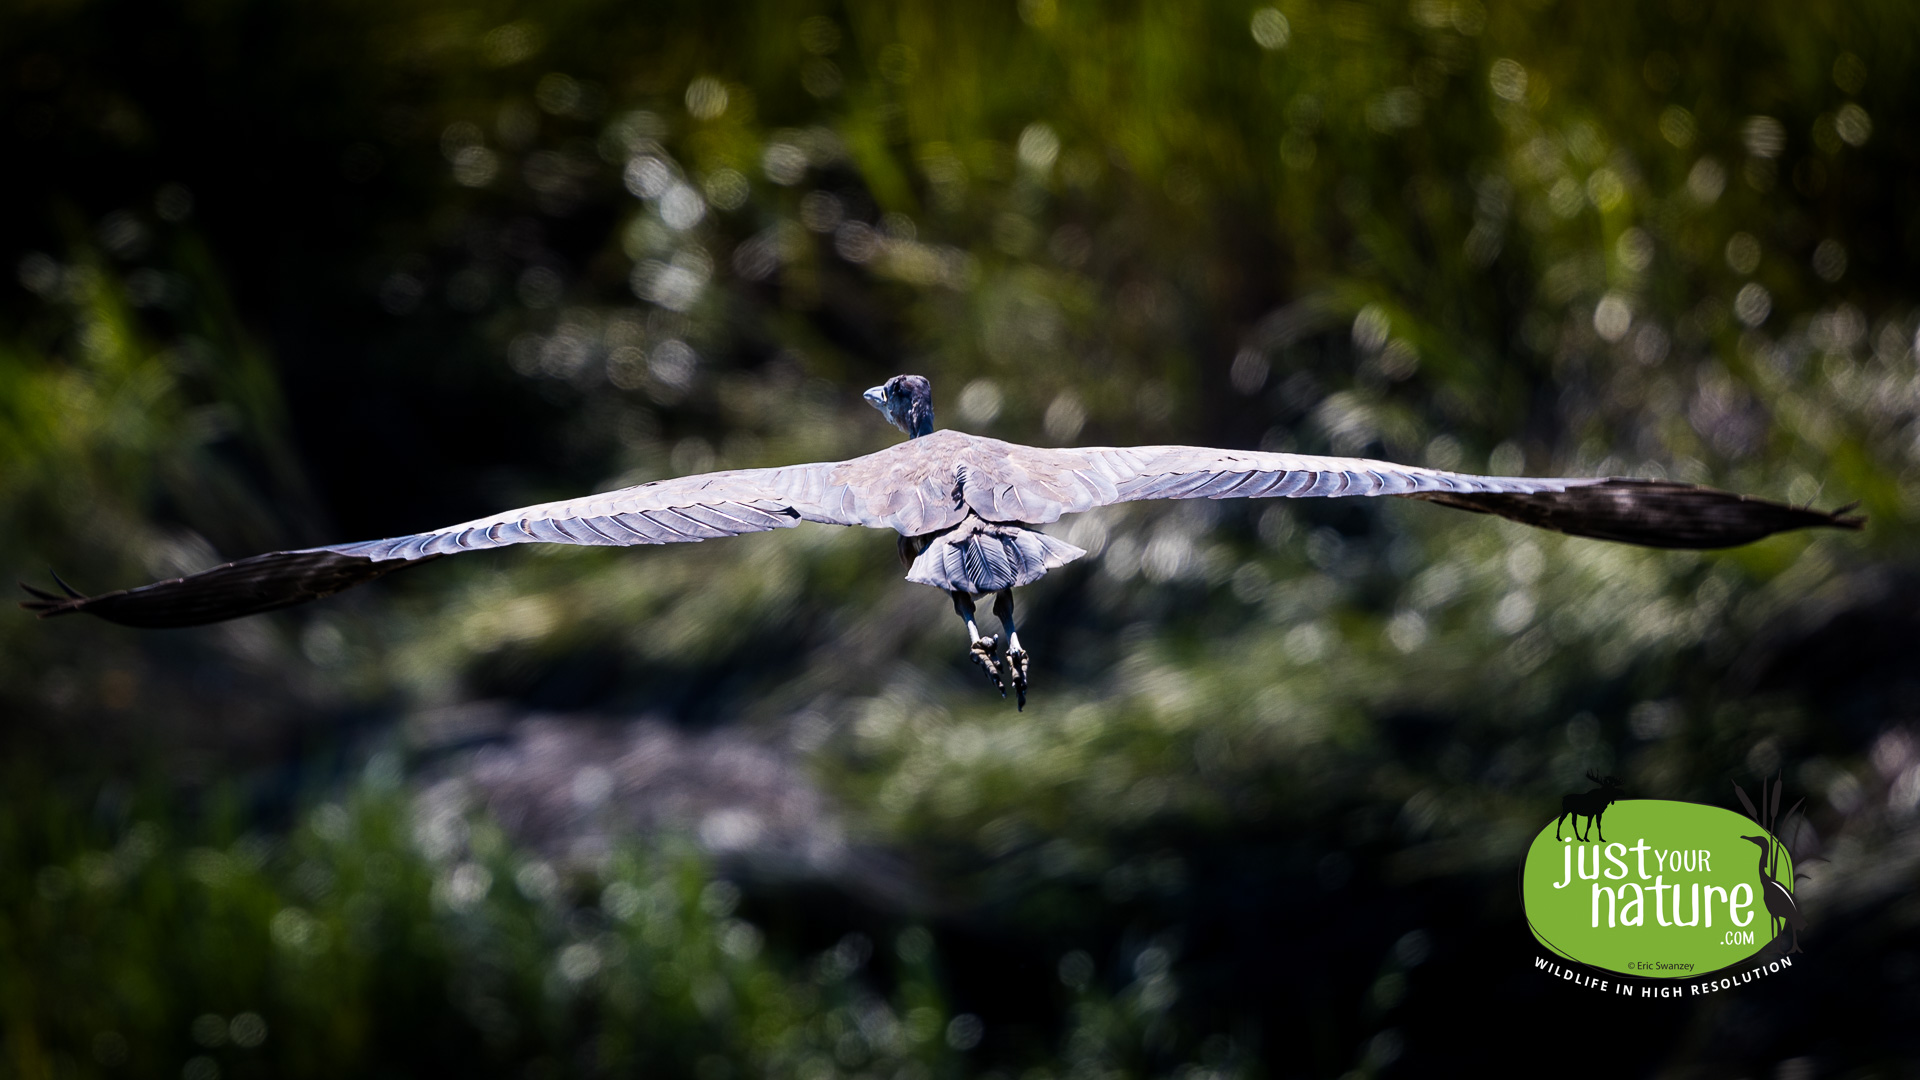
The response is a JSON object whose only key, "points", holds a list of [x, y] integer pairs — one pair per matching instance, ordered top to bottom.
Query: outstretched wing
{"points": [[1024, 483], [684, 509]]}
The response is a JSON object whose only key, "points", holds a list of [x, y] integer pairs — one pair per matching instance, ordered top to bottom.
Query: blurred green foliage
{"points": [[302, 274], [365, 953]]}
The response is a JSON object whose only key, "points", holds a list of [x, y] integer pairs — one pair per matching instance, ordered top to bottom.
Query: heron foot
{"points": [[982, 653], [1017, 668]]}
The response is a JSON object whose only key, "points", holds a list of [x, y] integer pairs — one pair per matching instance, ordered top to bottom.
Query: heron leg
{"points": [[979, 648], [1016, 656]]}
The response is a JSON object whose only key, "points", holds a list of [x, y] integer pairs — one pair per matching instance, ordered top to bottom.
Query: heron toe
{"points": [[982, 653], [1017, 667]]}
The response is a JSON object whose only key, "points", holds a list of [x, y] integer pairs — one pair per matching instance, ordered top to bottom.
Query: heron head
{"points": [[907, 403], [1761, 840]]}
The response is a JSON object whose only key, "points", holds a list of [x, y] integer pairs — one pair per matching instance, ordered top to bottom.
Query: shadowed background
{"points": [[287, 275]]}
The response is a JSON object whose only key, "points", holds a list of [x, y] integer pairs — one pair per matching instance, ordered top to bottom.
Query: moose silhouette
{"points": [[1590, 805]]}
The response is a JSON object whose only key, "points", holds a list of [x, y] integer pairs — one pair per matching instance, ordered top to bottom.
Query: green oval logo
{"points": [[1677, 890]]}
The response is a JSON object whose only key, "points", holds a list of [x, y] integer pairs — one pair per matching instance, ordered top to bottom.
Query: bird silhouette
{"points": [[966, 509], [1779, 899]]}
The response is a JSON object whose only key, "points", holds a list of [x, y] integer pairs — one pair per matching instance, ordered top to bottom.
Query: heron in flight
{"points": [[967, 511]]}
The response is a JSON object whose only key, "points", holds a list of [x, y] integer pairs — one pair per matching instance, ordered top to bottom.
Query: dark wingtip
{"points": [[1651, 513], [1842, 517], [246, 587], [45, 604]]}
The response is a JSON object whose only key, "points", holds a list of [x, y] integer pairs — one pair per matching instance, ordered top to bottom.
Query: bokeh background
{"points": [[285, 274]]}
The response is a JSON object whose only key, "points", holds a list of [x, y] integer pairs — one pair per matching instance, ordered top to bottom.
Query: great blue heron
{"points": [[965, 507], [1781, 907]]}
